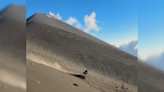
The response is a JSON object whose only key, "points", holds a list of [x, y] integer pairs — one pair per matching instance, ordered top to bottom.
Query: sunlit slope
{"points": [[80, 50]]}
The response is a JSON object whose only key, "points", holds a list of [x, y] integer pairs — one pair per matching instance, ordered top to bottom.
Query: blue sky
{"points": [[5, 3], [116, 18], [151, 26], [151, 31]]}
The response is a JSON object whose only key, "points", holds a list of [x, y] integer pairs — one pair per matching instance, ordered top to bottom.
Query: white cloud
{"points": [[50, 13], [57, 15], [71, 20], [90, 23], [78, 25], [93, 34], [121, 44], [130, 47], [136, 47], [144, 56], [156, 60]]}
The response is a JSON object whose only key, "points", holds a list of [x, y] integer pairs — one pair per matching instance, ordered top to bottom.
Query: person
{"points": [[85, 73]]}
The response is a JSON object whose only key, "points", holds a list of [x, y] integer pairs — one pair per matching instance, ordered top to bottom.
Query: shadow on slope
{"points": [[78, 76]]}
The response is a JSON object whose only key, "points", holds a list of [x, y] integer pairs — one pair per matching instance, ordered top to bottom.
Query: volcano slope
{"points": [[13, 49], [73, 53], [150, 79]]}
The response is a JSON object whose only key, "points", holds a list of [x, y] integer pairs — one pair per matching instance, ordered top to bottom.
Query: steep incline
{"points": [[80, 50]]}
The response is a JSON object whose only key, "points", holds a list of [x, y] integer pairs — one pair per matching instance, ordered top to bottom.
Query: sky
{"points": [[151, 27]]}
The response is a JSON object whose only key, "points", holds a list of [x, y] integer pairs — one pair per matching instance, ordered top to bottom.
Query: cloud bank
{"points": [[57, 15], [72, 21], [129, 47], [156, 60]]}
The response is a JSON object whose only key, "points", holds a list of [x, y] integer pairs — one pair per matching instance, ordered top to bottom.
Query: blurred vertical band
{"points": [[150, 29], [13, 48], [150, 79]]}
